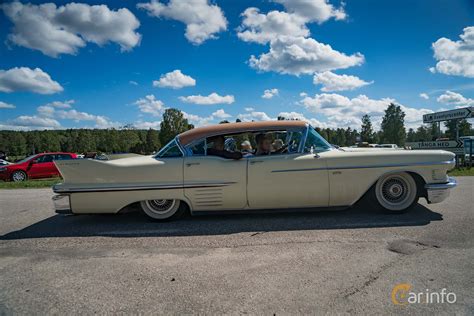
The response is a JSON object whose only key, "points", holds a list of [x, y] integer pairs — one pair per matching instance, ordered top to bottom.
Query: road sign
{"points": [[457, 114], [454, 146]]}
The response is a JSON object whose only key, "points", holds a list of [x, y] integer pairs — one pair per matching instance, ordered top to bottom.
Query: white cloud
{"points": [[314, 10], [202, 19], [262, 28], [63, 30], [298, 55], [455, 57], [26, 79], [175, 79], [334, 82], [133, 83], [270, 93], [424, 96], [212, 98], [453, 98], [62, 104], [4, 105], [150, 105], [249, 109], [45, 110], [343, 111], [220, 114], [254, 116], [300, 117], [200, 120], [34, 122], [147, 125]]}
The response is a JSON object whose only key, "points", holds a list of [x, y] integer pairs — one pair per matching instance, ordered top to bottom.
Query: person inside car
{"points": [[264, 144], [218, 148]]}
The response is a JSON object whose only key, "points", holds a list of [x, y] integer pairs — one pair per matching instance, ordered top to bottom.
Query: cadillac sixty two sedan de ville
{"points": [[252, 166]]}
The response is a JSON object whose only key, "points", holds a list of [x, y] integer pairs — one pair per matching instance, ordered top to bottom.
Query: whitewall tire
{"points": [[396, 192], [161, 210]]}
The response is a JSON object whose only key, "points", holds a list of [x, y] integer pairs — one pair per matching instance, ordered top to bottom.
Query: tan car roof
{"points": [[231, 128]]}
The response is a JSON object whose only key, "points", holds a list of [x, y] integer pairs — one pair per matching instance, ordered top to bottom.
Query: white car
{"points": [[4, 162], [292, 167]]}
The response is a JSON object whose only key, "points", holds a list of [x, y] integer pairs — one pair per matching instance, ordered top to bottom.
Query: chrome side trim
{"points": [[371, 167], [442, 186], [58, 189]]}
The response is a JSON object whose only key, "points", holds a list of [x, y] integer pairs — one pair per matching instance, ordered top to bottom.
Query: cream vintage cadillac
{"points": [[290, 167]]}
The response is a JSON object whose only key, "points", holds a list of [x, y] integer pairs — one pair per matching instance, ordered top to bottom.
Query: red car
{"points": [[34, 167]]}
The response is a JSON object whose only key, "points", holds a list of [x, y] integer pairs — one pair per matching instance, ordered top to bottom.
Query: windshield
{"points": [[315, 142], [26, 159]]}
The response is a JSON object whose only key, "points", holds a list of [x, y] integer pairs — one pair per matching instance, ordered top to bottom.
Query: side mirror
{"points": [[34, 161]]}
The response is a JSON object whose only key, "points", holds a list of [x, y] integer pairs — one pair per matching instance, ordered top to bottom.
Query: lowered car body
{"points": [[307, 173]]}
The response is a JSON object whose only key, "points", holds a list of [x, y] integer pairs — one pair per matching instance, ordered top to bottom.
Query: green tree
{"points": [[173, 123], [393, 125], [464, 128], [367, 132], [152, 141]]}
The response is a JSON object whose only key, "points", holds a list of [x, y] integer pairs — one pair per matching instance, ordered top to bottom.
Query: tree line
{"points": [[130, 139]]}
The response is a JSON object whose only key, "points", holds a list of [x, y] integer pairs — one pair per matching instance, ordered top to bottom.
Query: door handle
{"points": [[255, 161], [189, 164]]}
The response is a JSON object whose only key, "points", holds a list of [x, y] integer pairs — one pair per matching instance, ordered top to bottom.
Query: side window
{"points": [[278, 142], [197, 148], [170, 151], [63, 157], [45, 158]]}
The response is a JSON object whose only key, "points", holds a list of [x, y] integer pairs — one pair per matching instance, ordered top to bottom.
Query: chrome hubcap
{"points": [[395, 190], [160, 206]]}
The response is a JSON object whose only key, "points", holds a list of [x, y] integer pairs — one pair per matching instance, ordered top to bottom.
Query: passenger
{"points": [[264, 144], [277, 145], [246, 147], [219, 150]]}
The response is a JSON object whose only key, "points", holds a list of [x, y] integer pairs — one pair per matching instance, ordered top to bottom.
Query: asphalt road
{"points": [[310, 263]]}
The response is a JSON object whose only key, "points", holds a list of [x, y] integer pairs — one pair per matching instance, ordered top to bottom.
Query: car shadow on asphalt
{"points": [[134, 224]]}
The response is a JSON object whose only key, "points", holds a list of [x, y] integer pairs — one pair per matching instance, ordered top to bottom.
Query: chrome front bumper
{"points": [[438, 192], [62, 204]]}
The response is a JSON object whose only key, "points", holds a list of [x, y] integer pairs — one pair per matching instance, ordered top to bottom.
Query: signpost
{"points": [[457, 114], [454, 146]]}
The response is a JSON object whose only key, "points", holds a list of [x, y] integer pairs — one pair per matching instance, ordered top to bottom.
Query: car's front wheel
{"points": [[19, 176], [396, 192], [162, 210]]}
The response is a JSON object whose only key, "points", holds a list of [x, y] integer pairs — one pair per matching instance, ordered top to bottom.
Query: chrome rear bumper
{"points": [[438, 192], [62, 204]]}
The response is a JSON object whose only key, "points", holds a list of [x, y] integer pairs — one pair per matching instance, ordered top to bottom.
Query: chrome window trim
{"points": [[178, 144]]}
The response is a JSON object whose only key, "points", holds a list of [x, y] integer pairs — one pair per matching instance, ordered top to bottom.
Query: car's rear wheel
{"points": [[19, 176], [396, 192], [162, 210]]}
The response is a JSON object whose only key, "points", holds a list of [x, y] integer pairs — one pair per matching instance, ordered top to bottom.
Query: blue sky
{"points": [[379, 51]]}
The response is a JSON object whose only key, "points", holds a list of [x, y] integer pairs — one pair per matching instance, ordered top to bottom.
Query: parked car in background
{"points": [[392, 146], [3, 162], [34, 167]]}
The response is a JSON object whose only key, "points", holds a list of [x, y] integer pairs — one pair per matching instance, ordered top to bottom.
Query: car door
{"points": [[41, 166], [291, 180], [214, 183]]}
